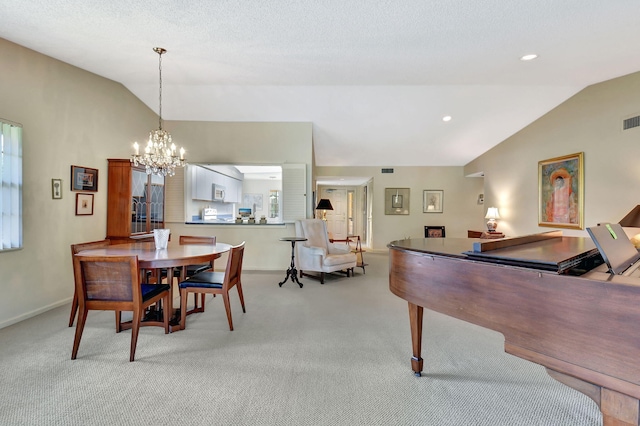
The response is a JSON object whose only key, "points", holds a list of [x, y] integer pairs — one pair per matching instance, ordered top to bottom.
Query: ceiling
{"points": [[374, 77]]}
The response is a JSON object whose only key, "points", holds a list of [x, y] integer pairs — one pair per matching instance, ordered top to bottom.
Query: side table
{"points": [[357, 249], [292, 272]]}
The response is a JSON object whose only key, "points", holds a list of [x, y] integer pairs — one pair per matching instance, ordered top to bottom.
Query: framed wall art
{"points": [[84, 179], [56, 189], [561, 192], [432, 200], [396, 201], [84, 204]]}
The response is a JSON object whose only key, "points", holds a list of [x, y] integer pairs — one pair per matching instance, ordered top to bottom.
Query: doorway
{"points": [[351, 204]]}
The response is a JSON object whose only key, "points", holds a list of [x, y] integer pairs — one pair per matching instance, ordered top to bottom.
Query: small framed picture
{"points": [[84, 179], [56, 189], [432, 200], [396, 201], [84, 204]]}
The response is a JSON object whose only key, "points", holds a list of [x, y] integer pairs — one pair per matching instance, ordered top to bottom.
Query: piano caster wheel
{"points": [[417, 374]]}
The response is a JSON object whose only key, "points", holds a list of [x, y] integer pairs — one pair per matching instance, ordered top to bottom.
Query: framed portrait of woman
{"points": [[561, 192]]}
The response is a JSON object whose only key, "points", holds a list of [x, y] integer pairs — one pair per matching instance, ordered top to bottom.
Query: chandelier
{"points": [[160, 156]]}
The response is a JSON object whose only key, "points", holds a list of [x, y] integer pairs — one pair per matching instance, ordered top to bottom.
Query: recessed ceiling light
{"points": [[529, 57], [446, 118]]}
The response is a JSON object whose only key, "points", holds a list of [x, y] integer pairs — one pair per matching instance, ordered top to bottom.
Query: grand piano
{"points": [[548, 294]]}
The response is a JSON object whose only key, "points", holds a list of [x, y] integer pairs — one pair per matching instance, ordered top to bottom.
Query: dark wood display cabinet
{"points": [[135, 202]]}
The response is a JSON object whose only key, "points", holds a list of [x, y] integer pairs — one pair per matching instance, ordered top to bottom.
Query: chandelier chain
{"points": [[160, 52]]}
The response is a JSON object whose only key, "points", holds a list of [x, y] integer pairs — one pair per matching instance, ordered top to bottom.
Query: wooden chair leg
{"points": [[239, 285], [195, 301], [227, 307], [74, 308], [183, 308], [166, 314], [82, 319], [118, 322], [135, 328]]}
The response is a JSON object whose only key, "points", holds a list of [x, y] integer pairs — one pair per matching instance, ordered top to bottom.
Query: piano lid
{"points": [[549, 251]]}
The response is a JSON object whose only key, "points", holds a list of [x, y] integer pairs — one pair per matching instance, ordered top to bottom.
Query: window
{"points": [[11, 179], [274, 203]]}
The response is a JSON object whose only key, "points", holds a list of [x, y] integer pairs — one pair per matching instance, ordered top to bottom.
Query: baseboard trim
{"points": [[34, 313]]}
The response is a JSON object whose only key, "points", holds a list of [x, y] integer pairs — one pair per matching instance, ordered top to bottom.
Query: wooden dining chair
{"points": [[76, 248], [190, 270], [113, 283], [216, 283]]}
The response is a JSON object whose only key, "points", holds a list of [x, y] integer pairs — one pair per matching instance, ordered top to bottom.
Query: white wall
{"points": [[589, 122]]}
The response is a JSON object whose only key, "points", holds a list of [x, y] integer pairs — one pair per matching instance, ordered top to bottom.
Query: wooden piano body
{"points": [[584, 329]]}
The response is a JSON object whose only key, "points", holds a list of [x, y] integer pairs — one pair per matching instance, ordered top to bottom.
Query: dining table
{"points": [[152, 259]]}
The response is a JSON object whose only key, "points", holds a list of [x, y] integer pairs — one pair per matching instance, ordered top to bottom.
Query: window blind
{"points": [[11, 179], [294, 192]]}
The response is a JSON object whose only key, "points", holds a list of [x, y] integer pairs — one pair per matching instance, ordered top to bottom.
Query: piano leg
{"points": [[415, 318]]}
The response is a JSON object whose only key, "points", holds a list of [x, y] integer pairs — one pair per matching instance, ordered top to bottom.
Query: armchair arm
{"points": [[339, 248], [312, 250]]}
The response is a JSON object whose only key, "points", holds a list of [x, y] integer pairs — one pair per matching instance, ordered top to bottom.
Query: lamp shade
{"points": [[324, 204], [492, 213], [632, 219]]}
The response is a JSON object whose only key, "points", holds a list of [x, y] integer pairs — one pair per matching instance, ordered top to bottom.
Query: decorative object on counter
{"points": [[159, 158], [84, 179], [56, 189], [84, 204], [324, 204], [209, 214], [492, 215], [238, 219], [252, 219], [263, 220], [161, 238]]}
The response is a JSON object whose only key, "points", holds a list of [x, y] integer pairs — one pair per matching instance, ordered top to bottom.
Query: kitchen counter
{"points": [[226, 222]]}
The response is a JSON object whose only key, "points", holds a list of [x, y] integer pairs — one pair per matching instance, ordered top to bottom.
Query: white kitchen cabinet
{"points": [[202, 184], [231, 189]]}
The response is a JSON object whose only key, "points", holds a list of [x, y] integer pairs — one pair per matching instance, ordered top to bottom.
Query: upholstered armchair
{"points": [[317, 254]]}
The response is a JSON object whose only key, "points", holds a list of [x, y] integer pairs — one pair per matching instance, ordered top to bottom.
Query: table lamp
{"points": [[324, 204], [492, 215]]}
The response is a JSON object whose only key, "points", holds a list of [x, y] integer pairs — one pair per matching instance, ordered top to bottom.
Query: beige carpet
{"points": [[332, 354]]}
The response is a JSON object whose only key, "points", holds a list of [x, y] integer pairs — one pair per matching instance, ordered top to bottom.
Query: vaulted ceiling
{"points": [[375, 77]]}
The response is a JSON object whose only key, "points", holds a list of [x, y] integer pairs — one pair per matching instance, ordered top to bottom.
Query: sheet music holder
{"points": [[618, 252]]}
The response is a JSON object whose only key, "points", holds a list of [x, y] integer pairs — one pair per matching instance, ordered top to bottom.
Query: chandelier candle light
{"points": [[160, 157]]}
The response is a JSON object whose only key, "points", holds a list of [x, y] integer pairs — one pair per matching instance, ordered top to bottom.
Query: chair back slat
{"points": [[193, 239], [76, 248], [234, 265], [108, 278], [107, 281]]}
